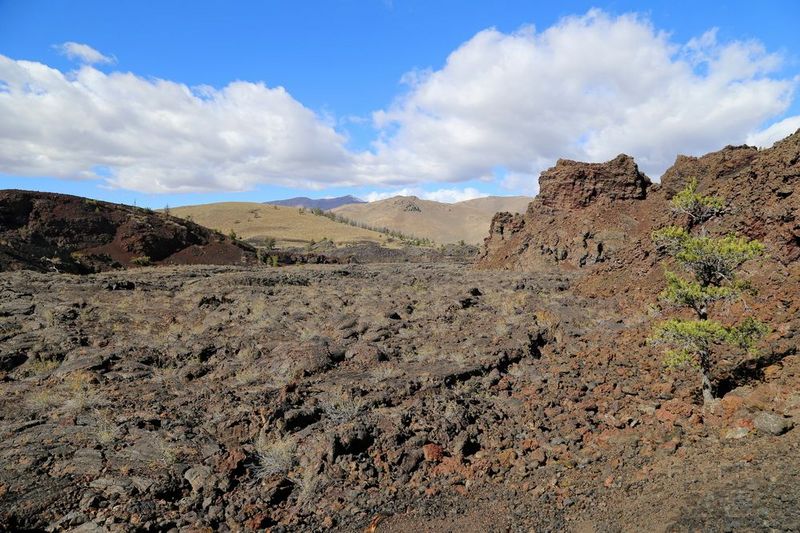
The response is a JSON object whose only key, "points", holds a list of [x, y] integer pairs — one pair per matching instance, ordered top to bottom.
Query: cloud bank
{"points": [[587, 88], [504, 107], [160, 136], [449, 196]]}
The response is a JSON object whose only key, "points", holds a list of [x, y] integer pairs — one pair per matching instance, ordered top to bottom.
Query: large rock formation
{"points": [[572, 184], [590, 214], [583, 215], [48, 231]]}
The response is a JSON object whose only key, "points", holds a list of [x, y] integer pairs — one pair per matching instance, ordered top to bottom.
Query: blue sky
{"points": [[481, 112]]}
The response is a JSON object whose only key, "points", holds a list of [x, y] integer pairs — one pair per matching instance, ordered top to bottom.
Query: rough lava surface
{"points": [[517, 396]]}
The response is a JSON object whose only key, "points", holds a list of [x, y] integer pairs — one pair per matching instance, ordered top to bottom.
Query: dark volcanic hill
{"points": [[318, 203], [57, 232]]}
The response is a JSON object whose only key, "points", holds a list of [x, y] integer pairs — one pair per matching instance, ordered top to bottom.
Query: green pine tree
{"points": [[712, 264]]}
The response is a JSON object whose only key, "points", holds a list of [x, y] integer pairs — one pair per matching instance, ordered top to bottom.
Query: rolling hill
{"points": [[442, 223], [290, 226]]}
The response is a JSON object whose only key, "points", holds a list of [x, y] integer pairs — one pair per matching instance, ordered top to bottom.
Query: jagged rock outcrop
{"points": [[572, 184], [759, 187], [603, 213], [583, 214], [49, 231]]}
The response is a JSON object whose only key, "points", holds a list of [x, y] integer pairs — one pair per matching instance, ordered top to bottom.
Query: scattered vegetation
{"points": [[407, 239], [267, 258], [143, 260], [712, 263], [41, 366], [386, 371], [80, 391], [74, 394], [42, 400], [342, 408], [106, 428], [274, 457]]}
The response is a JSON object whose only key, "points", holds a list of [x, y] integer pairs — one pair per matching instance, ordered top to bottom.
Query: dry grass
{"points": [[442, 223], [287, 225], [40, 367], [386, 371], [248, 375], [80, 392], [74, 394], [43, 400], [341, 408], [107, 429], [275, 457]]}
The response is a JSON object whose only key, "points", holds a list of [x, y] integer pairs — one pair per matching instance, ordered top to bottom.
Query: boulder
{"points": [[771, 423]]}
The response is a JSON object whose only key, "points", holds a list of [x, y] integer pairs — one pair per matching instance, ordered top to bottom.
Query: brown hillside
{"points": [[466, 221], [289, 225]]}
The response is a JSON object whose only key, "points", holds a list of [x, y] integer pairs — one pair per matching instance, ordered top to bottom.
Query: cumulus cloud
{"points": [[83, 53], [586, 88], [503, 108], [776, 132], [154, 135], [440, 195]]}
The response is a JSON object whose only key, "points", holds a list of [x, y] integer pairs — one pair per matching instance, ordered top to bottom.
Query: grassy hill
{"points": [[466, 221], [290, 226]]}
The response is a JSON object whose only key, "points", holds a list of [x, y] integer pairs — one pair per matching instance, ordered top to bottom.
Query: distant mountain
{"points": [[319, 203], [466, 221]]}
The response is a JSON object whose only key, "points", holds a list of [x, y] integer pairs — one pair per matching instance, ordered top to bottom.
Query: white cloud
{"points": [[83, 53], [587, 88], [504, 107], [776, 132], [159, 136], [440, 195]]}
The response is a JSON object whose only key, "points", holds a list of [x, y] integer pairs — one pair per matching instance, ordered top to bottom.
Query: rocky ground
{"points": [[399, 390], [407, 397]]}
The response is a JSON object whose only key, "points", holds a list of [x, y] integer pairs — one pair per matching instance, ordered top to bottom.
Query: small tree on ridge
{"points": [[712, 263]]}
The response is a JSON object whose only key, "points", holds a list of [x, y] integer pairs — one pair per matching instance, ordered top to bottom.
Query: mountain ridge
{"points": [[317, 203]]}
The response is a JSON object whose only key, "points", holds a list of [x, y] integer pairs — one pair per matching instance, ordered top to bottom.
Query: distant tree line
{"points": [[404, 237]]}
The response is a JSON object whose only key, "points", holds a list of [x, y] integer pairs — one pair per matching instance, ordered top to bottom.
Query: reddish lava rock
{"points": [[433, 452]]}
